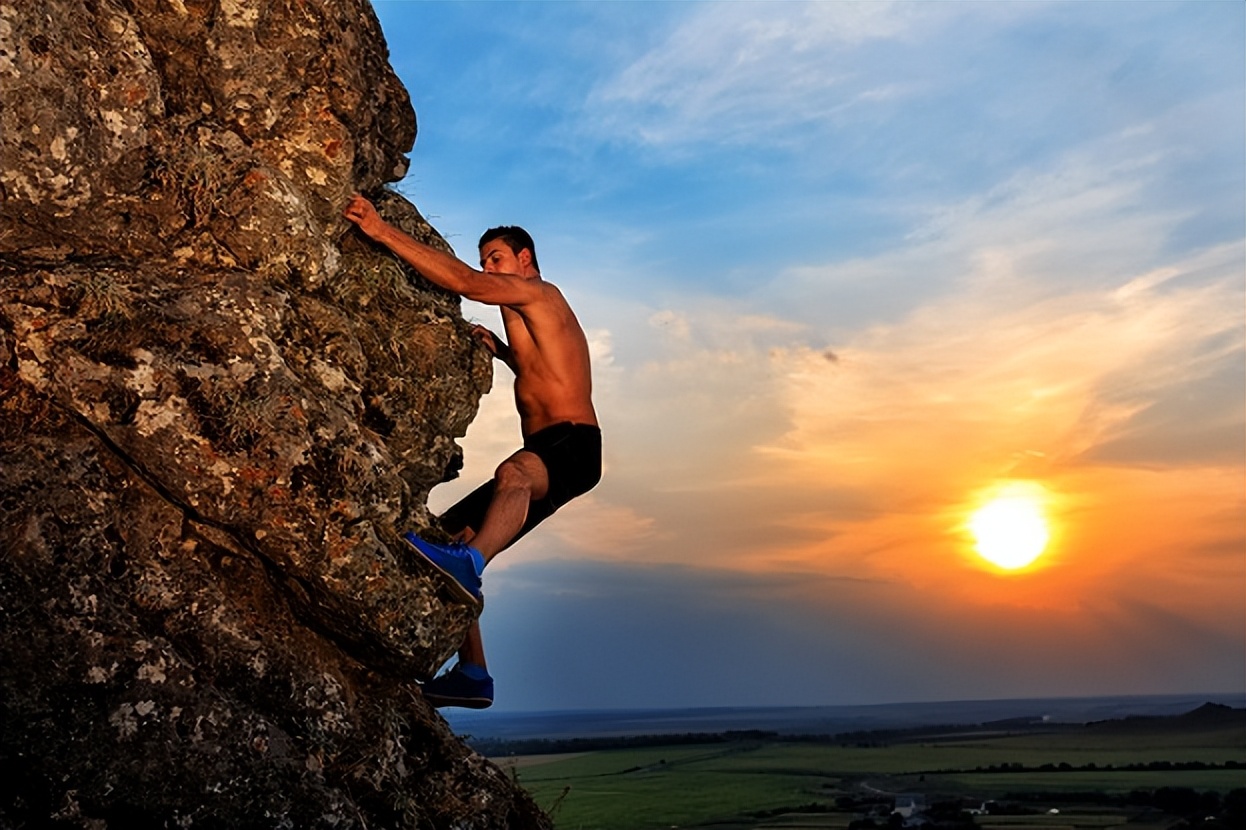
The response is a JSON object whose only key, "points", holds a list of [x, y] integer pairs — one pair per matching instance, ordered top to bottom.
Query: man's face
{"points": [[496, 257]]}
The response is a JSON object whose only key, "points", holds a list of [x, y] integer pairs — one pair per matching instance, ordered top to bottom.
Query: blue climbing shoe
{"points": [[462, 563], [466, 685]]}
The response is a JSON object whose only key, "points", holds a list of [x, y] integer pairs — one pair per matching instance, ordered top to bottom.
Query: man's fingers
{"points": [[357, 208], [361, 212], [486, 338]]}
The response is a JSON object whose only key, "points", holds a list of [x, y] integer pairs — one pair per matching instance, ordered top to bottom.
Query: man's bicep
{"points": [[503, 289]]}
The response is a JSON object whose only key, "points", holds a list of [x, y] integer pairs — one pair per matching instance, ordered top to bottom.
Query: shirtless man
{"points": [[561, 456]]}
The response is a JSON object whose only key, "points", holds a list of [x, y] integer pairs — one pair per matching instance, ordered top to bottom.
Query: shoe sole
{"points": [[457, 587], [437, 701]]}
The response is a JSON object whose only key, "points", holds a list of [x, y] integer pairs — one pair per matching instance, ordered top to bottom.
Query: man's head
{"points": [[515, 238]]}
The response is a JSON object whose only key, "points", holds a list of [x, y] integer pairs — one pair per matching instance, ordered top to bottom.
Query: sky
{"points": [[851, 271]]}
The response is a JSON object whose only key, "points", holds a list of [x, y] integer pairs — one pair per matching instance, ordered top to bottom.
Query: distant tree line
{"points": [[937, 733], [498, 747], [1141, 766]]}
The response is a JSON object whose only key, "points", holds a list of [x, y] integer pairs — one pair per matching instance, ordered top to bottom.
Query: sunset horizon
{"points": [[851, 275]]}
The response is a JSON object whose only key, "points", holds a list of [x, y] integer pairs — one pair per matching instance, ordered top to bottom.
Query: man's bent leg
{"points": [[518, 480]]}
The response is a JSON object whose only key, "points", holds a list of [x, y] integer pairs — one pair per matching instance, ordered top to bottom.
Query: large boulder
{"points": [[219, 406]]}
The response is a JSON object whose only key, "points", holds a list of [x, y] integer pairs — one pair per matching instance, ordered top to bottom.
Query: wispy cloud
{"points": [[741, 73], [917, 416]]}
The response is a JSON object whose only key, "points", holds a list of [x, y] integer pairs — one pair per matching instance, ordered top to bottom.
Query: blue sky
{"points": [[847, 270]]}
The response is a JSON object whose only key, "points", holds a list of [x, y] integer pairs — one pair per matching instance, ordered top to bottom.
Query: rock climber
{"points": [[548, 352]]}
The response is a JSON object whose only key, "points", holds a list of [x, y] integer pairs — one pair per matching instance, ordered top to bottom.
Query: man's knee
{"points": [[522, 473], [511, 474]]}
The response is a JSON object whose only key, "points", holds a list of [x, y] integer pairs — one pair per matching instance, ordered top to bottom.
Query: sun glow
{"points": [[1010, 530]]}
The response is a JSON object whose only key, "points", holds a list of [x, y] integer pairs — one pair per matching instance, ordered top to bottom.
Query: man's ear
{"points": [[525, 257]]}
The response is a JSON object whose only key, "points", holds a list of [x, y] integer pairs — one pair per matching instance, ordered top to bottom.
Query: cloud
{"points": [[738, 73], [1023, 368], [1002, 380], [597, 527]]}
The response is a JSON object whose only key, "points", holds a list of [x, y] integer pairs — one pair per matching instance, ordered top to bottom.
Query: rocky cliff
{"points": [[218, 407]]}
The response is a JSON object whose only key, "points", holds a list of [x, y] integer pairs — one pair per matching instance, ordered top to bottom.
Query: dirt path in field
{"points": [[509, 762]]}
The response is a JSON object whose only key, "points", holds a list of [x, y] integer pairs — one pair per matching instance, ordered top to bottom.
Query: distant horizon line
{"points": [[1239, 695]]}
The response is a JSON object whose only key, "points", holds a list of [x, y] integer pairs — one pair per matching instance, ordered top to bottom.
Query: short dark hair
{"points": [[515, 237]]}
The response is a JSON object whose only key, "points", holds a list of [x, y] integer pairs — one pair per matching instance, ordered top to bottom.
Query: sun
{"points": [[1010, 530]]}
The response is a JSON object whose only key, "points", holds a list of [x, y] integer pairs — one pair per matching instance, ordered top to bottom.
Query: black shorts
{"points": [[572, 457]]}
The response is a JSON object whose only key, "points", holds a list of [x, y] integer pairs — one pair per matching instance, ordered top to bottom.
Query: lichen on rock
{"points": [[219, 407]]}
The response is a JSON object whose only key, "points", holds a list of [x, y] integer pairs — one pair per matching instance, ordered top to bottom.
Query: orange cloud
{"points": [[914, 419]]}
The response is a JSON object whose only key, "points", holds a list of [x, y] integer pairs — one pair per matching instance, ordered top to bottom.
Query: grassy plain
{"points": [[760, 784]]}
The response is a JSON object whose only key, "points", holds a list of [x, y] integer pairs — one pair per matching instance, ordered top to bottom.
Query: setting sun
{"points": [[1010, 531]]}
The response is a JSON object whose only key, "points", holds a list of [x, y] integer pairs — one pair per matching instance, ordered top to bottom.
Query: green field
{"points": [[764, 784], [661, 787]]}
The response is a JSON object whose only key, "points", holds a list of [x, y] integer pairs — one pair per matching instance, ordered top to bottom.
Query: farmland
{"points": [[1091, 776]]}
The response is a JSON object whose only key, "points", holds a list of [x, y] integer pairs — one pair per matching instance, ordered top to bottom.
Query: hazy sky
{"points": [[848, 270]]}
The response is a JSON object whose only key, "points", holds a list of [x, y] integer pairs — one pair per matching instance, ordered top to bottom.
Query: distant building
{"points": [[909, 805]]}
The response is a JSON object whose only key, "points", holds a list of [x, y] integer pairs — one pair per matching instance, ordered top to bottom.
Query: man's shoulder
{"points": [[549, 292], [550, 307]]}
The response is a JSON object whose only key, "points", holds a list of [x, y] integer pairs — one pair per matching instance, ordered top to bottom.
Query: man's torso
{"points": [[553, 377]]}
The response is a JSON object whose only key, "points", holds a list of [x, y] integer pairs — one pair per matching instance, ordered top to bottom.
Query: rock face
{"points": [[218, 408]]}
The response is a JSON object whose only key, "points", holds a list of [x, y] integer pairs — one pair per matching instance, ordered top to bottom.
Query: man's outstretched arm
{"points": [[437, 266]]}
